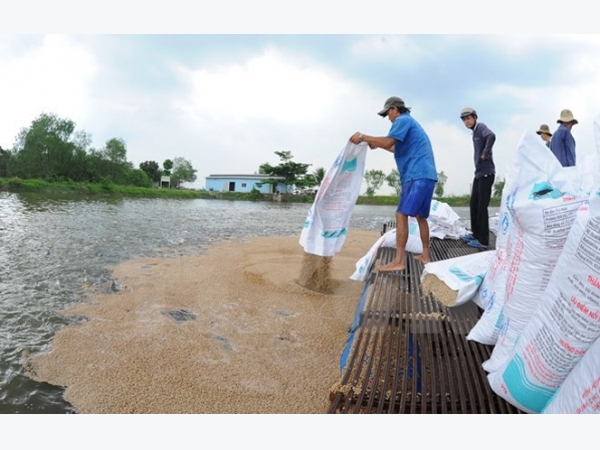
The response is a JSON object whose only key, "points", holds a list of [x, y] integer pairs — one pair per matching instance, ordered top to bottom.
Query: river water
{"points": [[53, 248]]}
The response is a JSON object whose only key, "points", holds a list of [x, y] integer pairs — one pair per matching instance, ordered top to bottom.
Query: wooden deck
{"points": [[408, 353]]}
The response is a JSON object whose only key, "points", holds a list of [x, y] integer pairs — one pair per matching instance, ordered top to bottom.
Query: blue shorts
{"points": [[416, 198]]}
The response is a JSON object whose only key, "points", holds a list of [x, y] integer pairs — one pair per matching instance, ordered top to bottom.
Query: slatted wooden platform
{"points": [[408, 353]]}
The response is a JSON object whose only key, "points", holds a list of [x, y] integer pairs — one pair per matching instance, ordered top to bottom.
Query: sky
{"points": [[226, 102]]}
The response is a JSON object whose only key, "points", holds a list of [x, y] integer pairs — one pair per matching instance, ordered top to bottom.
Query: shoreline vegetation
{"points": [[109, 189]]}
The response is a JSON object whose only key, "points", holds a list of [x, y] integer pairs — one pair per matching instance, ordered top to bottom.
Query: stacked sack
{"points": [[538, 208], [443, 222], [543, 290], [565, 324]]}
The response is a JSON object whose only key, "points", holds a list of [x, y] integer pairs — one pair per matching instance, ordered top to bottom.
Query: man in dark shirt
{"points": [[563, 143], [485, 173]]}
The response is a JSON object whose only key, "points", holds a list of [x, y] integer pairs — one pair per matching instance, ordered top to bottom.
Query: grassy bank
{"points": [[109, 189]]}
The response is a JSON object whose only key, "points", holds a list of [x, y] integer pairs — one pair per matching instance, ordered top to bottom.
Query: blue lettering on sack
{"points": [[338, 161], [510, 202], [505, 222], [333, 233], [491, 302], [498, 323], [504, 326]]}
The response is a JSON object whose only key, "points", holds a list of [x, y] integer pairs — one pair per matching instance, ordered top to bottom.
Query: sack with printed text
{"points": [[327, 221]]}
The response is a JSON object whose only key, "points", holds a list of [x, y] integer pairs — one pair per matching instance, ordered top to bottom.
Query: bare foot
{"points": [[422, 259], [392, 267]]}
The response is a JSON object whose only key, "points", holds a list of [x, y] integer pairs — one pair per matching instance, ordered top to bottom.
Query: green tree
{"points": [[45, 149], [115, 151], [111, 161], [4, 162], [167, 167], [152, 169], [183, 172], [294, 174], [319, 175], [137, 177], [374, 179], [393, 181], [441, 182], [499, 188]]}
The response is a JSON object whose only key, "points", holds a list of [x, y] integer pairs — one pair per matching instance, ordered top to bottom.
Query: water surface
{"points": [[53, 248]]}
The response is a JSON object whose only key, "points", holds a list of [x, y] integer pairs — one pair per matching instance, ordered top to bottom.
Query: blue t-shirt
{"points": [[413, 151]]}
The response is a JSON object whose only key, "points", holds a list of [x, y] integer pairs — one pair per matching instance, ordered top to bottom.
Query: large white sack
{"points": [[533, 158], [542, 204], [327, 221], [443, 222], [543, 224], [388, 239], [363, 265], [454, 281], [490, 295], [565, 323], [580, 392]]}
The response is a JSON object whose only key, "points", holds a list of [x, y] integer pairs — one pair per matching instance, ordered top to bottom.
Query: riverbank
{"points": [[110, 189]]}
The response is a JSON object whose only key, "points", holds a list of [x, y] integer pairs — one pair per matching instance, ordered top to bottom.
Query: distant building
{"points": [[165, 181], [245, 183]]}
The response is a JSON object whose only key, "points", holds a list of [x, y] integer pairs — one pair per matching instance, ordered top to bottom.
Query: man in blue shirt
{"points": [[563, 143], [414, 158], [485, 173]]}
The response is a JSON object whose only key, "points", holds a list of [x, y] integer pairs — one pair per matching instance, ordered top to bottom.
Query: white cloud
{"points": [[52, 78], [269, 86], [244, 112]]}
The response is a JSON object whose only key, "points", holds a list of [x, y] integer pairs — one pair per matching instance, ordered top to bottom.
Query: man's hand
{"points": [[356, 138]]}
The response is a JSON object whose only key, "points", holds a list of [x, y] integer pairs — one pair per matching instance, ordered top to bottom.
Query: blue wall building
{"points": [[245, 183]]}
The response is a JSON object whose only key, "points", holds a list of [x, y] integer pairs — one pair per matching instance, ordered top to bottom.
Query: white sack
{"points": [[543, 206], [327, 221], [443, 221], [388, 239], [523, 245], [363, 265], [461, 275], [490, 295], [565, 323], [580, 392]]}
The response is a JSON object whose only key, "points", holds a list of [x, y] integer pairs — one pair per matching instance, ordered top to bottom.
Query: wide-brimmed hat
{"points": [[390, 103], [566, 116], [544, 129]]}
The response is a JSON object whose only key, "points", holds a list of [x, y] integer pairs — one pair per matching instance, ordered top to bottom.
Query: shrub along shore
{"points": [[110, 189]]}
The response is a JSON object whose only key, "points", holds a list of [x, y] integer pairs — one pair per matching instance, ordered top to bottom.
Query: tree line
{"points": [[52, 149], [296, 174], [375, 179]]}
